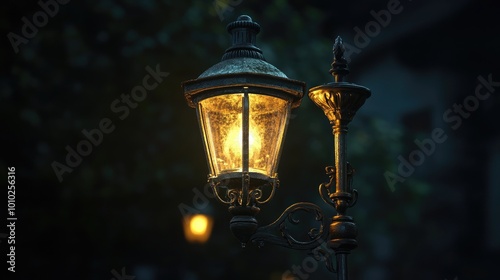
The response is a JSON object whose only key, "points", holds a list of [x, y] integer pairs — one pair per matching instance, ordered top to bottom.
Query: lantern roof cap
{"points": [[242, 65]]}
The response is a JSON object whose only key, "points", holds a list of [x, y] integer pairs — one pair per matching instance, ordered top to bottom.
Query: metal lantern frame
{"points": [[243, 70]]}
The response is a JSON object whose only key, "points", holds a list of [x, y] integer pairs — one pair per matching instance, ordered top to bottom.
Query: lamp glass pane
{"points": [[221, 123]]}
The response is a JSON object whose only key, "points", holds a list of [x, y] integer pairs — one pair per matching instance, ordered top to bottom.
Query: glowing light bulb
{"points": [[233, 144]]}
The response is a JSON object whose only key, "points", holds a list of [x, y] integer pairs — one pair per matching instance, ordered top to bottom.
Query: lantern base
{"points": [[233, 180], [243, 189], [243, 224]]}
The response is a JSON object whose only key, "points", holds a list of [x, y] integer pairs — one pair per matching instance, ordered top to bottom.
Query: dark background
{"points": [[119, 208]]}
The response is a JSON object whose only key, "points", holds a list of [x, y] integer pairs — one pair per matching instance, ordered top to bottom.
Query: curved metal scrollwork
{"points": [[324, 188], [236, 197], [278, 232]]}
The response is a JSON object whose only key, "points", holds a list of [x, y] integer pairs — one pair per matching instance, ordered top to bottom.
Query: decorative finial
{"points": [[243, 32], [339, 65]]}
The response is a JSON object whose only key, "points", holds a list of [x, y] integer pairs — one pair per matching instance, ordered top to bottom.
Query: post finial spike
{"points": [[339, 65]]}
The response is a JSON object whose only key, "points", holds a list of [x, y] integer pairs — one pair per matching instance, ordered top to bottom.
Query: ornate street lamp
{"points": [[243, 105]]}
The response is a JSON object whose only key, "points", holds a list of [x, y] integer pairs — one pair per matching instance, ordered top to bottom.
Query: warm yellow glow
{"points": [[221, 123], [233, 144], [198, 224], [197, 228]]}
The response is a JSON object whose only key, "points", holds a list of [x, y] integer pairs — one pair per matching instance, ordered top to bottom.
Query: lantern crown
{"points": [[243, 56]]}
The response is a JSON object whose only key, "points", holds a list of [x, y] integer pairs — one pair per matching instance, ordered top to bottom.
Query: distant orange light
{"points": [[198, 224], [197, 228]]}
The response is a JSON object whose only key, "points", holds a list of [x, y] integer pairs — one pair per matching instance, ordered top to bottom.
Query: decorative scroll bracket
{"points": [[330, 197], [278, 232]]}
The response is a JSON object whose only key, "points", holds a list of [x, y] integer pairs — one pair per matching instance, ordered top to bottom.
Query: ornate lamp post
{"points": [[340, 101], [243, 105]]}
